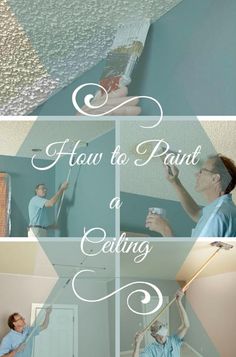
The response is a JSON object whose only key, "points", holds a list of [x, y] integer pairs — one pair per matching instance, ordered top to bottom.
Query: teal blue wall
{"points": [[188, 63], [24, 178], [86, 203], [135, 209]]}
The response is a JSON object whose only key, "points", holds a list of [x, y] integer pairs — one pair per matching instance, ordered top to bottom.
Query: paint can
{"points": [[157, 210]]}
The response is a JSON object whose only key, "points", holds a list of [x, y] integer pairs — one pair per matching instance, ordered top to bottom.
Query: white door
{"points": [[148, 318], [59, 339]]}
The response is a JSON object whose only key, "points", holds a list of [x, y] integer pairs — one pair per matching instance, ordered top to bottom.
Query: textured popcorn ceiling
{"points": [[48, 43], [23, 79], [12, 134], [20, 137], [149, 180]]}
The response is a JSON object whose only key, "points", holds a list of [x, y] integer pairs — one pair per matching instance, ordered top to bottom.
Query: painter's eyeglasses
{"points": [[206, 170], [20, 318]]}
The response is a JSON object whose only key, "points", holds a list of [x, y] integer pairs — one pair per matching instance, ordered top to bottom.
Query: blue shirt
{"points": [[38, 212], [218, 219], [13, 339], [171, 348]]}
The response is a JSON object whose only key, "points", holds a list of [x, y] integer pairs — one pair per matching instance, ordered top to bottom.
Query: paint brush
{"points": [[126, 49]]}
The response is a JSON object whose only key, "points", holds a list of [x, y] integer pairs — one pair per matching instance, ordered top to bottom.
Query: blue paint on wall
{"points": [[188, 63], [24, 178], [86, 202], [134, 210]]}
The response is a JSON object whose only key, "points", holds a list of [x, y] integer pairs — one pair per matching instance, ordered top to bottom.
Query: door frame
{"points": [[36, 306]]}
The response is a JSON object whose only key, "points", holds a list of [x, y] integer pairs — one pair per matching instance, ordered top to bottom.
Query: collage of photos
{"points": [[117, 178]]}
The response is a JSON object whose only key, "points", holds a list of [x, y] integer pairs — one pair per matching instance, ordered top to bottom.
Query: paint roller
{"points": [[67, 180], [220, 245]]}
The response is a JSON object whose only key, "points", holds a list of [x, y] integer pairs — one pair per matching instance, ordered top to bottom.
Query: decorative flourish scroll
{"points": [[89, 97], [145, 300]]}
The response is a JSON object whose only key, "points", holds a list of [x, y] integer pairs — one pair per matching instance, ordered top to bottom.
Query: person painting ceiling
{"points": [[215, 181]]}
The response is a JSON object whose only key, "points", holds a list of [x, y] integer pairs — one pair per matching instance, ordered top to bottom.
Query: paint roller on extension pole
{"points": [[67, 180], [219, 245]]}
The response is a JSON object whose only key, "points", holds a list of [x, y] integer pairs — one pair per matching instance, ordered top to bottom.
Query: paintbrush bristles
{"points": [[135, 49]]}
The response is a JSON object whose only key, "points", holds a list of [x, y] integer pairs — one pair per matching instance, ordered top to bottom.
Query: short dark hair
{"points": [[226, 168], [37, 186], [11, 319]]}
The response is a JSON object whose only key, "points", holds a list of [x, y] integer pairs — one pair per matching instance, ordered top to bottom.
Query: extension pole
{"points": [[67, 179], [62, 197], [184, 288], [53, 300]]}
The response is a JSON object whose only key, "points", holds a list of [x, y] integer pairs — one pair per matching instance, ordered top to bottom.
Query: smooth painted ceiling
{"points": [[25, 258], [68, 258], [179, 260], [223, 262]]}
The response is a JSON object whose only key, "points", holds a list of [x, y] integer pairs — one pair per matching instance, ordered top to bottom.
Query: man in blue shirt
{"points": [[215, 180], [38, 210], [13, 344], [164, 345]]}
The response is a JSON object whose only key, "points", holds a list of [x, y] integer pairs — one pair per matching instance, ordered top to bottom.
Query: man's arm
{"points": [[114, 99], [55, 198], [186, 200], [156, 223], [45, 323], [182, 330], [137, 342], [12, 353]]}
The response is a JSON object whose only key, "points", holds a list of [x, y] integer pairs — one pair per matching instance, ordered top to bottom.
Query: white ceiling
{"points": [[12, 134], [20, 137], [149, 180], [57, 257], [27, 258], [67, 258], [178, 260], [163, 262], [223, 262]]}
